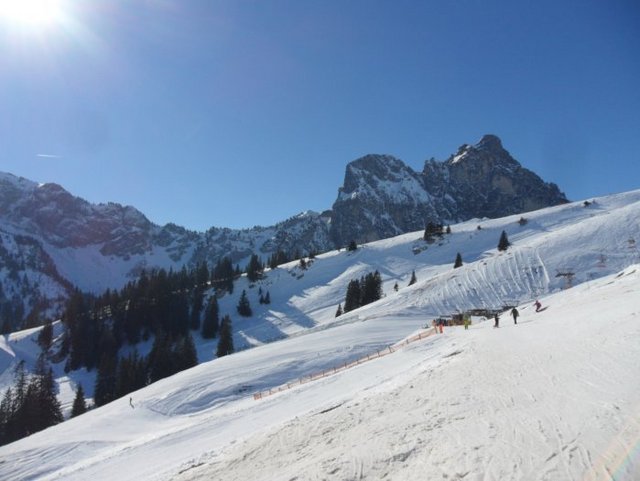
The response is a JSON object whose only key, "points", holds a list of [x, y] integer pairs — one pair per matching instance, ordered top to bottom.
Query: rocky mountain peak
{"points": [[489, 142], [484, 156], [370, 169], [486, 181], [381, 196]]}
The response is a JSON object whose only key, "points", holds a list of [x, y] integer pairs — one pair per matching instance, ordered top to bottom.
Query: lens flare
{"points": [[33, 13]]}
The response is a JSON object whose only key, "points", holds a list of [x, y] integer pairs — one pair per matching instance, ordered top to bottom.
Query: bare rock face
{"points": [[486, 181], [383, 197]]}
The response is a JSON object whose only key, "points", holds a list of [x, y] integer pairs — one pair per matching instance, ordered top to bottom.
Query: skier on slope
{"points": [[538, 305], [515, 314], [496, 319]]}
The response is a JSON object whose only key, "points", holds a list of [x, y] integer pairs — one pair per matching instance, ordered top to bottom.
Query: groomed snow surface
{"points": [[556, 397]]}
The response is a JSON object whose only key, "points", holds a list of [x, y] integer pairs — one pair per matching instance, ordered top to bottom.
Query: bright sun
{"points": [[35, 13]]}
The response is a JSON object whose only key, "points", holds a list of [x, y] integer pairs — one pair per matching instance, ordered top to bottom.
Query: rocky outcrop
{"points": [[486, 181], [382, 197]]}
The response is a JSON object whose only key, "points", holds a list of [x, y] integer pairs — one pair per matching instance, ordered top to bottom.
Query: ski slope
{"points": [[556, 397]]}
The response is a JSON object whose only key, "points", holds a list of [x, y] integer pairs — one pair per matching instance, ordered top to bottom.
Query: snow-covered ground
{"points": [[556, 397]]}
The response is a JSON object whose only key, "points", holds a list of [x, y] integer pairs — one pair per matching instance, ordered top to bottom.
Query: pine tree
{"points": [[432, 229], [448, 231], [503, 243], [352, 246], [277, 258], [458, 261], [254, 268], [202, 275], [222, 277], [413, 279], [377, 285], [396, 287], [371, 288], [267, 298], [352, 299], [196, 307], [244, 308], [339, 311], [211, 320], [76, 323], [6, 326], [45, 337], [225, 343], [185, 353], [159, 361], [132, 374], [105, 388], [19, 396], [79, 403], [40, 404], [6, 417]]}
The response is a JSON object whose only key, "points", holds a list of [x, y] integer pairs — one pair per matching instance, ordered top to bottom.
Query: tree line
{"points": [[30, 405]]}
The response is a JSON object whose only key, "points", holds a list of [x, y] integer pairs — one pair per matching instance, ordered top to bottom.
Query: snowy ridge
{"points": [[554, 398]]}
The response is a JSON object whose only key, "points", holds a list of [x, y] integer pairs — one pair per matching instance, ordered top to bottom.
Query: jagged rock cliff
{"points": [[486, 181], [382, 197]]}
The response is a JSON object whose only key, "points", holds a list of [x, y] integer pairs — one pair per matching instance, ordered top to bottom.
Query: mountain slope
{"points": [[589, 242], [95, 247], [553, 398]]}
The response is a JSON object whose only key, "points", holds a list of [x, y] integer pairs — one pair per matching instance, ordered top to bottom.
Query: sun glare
{"points": [[34, 13]]}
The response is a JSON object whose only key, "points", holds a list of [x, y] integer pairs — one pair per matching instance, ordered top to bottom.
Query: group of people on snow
{"points": [[439, 323]]}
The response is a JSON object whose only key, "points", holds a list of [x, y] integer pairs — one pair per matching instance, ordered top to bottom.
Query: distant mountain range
{"points": [[52, 241]]}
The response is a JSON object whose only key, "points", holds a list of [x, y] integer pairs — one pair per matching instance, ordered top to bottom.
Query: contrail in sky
{"points": [[49, 156]]}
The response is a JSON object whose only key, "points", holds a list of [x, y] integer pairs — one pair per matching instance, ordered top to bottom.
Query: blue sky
{"points": [[242, 113]]}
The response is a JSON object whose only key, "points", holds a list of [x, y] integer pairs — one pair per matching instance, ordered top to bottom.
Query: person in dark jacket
{"points": [[515, 314], [496, 319]]}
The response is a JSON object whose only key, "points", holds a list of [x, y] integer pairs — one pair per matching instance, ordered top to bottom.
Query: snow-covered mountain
{"points": [[51, 240], [553, 398]]}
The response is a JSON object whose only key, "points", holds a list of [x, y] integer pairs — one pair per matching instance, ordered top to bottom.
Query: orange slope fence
{"points": [[343, 367]]}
